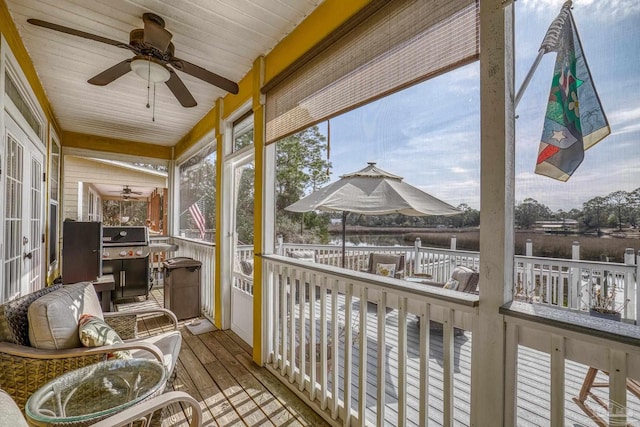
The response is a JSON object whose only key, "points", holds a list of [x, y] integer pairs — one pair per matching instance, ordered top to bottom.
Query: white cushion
{"points": [[306, 256], [388, 270], [462, 275], [451, 284], [53, 318], [95, 332], [169, 344], [10, 414]]}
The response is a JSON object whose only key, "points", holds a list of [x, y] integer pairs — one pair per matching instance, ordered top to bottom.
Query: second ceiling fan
{"points": [[153, 59]]}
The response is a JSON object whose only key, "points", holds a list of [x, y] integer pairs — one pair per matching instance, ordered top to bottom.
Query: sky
{"points": [[430, 133]]}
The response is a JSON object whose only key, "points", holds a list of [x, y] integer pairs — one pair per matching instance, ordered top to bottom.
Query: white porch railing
{"points": [[205, 253], [559, 282], [570, 284], [569, 338], [341, 353]]}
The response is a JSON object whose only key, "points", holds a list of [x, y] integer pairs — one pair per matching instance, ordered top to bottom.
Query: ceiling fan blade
{"points": [[154, 32], [78, 33], [110, 74], [206, 75], [179, 90]]}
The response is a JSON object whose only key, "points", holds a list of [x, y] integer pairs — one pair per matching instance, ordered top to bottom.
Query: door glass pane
{"points": [[197, 195], [244, 197], [13, 219], [35, 227]]}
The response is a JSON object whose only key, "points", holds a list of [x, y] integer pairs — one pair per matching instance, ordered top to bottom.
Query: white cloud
{"points": [[601, 10]]}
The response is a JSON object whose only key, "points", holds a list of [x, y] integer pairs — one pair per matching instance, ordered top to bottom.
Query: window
{"points": [[22, 104], [243, 132], [197, 195], [54, 198], [94, 206]]}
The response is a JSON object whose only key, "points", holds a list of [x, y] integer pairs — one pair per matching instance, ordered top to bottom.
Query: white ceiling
{"points": [[222, 36]]}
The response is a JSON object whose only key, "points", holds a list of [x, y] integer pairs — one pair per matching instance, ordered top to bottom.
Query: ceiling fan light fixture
{"points": [[149, 69]]}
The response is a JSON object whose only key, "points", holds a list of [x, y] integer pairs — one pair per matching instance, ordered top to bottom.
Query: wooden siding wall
{"points": [[78, 169]]}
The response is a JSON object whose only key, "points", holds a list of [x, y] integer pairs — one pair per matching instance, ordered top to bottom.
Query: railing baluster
{"points": [[282, 285], [274, 313], [292, 325], [312, 335], [302, 338], [323, 342], [382, 348], [334, 350], [348, 353], [402, 362], [424, 365], [362, 366], [447, 369], [511, 375], [557, 380], [617, 388]]}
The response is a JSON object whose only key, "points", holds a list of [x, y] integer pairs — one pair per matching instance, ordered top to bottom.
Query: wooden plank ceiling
{"points": [[222, 36]]}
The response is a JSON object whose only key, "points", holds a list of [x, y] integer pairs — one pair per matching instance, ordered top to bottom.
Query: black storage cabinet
{"points": [[182, 286]]}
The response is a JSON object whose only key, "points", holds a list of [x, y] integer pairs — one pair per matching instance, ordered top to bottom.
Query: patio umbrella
{"points": [[372, 191]]}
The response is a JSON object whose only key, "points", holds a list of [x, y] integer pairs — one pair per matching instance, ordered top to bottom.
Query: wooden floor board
{"points": [[216, 368]]}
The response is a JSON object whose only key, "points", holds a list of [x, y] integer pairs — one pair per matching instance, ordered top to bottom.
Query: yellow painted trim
{"points": [[328, 16], [11, 35], [233, 102], [202, 128], [113, 145], [258, 207], [217, 291]]}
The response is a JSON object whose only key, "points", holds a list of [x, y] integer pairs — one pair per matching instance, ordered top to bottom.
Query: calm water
{"points": [[370, 240]]}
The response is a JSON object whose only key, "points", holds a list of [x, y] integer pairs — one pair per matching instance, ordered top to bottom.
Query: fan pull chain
{"points": [[148, 82], [153, 113]]}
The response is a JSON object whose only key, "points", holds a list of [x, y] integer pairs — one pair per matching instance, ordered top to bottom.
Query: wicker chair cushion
{"points": [[53, 318], [14, 323]]}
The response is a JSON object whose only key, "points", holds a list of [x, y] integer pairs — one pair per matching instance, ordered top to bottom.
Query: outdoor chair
{"points": [[309, 256], [386, 265], [463, 279], [39, 337], [11, 416]]}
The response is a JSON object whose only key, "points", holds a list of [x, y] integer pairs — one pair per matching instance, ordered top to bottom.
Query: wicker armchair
{"points": [[24, 368]]}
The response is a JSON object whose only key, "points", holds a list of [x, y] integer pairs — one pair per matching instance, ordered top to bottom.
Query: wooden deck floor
{"points": [[216, 368]]}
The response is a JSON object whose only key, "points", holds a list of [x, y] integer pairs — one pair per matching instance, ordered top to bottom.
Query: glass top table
{"points": [[89, 394]]}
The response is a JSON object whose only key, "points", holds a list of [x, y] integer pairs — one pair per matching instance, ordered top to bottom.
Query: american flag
{"points": [[196, 210]]}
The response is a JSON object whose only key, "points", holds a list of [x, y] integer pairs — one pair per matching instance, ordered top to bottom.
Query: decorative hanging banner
{"points": [[574, 121]]}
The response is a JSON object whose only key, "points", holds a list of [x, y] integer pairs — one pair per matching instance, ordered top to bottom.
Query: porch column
{"points": [[496, 214], [262, 222]]}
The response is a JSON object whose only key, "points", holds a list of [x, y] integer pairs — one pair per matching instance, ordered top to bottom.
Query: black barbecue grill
{"points": [[125, 254]]}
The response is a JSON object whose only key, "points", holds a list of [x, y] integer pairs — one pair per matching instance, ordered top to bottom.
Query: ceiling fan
{"points": [[153, 59], [127, 191]]}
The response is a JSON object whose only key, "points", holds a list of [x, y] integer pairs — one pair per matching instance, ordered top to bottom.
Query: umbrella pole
{"points": [[344, 235]]}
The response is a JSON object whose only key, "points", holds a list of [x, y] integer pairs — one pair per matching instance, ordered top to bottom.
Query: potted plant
{"points": [[604, 300]]}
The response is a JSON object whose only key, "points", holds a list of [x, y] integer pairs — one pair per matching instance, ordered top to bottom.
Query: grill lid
{"points": [[125, 236]]}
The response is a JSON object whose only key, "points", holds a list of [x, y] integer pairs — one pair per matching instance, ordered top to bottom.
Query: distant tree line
{"points": [[302, 167], [617, 210], [468, 218]]}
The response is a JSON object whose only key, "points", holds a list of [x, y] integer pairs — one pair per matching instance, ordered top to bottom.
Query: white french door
{"points": [[23, 213], [242, 248]]}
